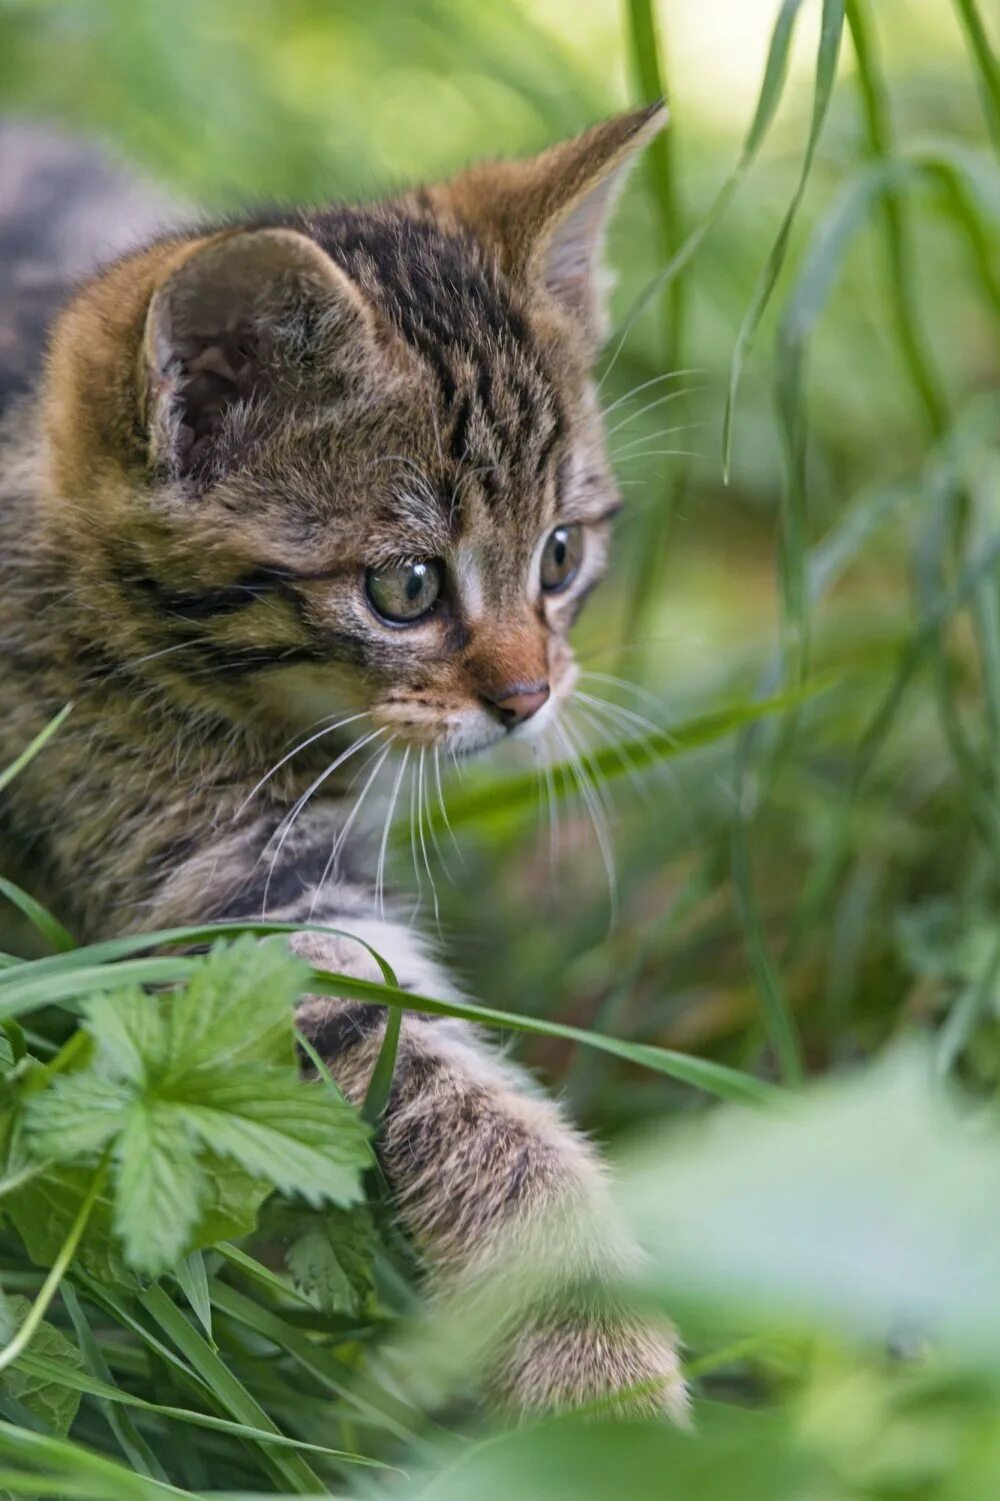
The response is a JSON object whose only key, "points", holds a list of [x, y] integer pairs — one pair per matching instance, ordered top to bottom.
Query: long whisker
{"points": [[654, 380], [659, 401], [661, 432], [625, 685], [623, 715], [327, 730], [605, 734], [378, 757], [553, 803], [413, 810], [444, 810], [597, 817], [431, 820], [289, 821], [423, 841], [380, 871]]}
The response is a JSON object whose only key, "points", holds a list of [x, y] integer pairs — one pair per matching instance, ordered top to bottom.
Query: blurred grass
{"points": [[790, 901]]}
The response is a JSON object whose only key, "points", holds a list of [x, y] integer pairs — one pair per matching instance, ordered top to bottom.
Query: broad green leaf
{"points": [[237, 1008], [76, 1116], [280, 1128], [160, 1187], [867, 1205], [43, 1209], [333, 1260], [41, 1392], [734, 1454]]}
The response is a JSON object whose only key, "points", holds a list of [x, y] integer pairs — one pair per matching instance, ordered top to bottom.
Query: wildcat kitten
{"points": [[338, 467]]}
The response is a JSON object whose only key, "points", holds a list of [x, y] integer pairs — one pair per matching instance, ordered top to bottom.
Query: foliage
{"points": [[794, 701]]}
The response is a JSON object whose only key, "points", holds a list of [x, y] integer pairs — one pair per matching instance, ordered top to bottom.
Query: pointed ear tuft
{"points": [[546, 217], [234, 321]]}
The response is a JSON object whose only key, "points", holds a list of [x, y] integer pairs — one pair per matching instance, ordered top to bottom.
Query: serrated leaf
{"points": [[237, 1008], [129, 1033], [198, 1094], [77, 1115], [297, 1135], [160, 1187], [333, 1261], [55, 1404]]}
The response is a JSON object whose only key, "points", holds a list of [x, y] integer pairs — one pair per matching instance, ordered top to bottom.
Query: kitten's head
{"points": [[351, 460]]}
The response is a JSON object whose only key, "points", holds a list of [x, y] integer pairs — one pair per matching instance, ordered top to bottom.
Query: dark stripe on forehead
{"points": [[449, 301]]}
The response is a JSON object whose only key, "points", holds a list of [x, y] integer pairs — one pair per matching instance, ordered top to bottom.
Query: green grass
{"points": [[790, 1038]]}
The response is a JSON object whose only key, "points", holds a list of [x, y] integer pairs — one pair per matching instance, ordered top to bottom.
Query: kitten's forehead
{"points": [[498, 405]]}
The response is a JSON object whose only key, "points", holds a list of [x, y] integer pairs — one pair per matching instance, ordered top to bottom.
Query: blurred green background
{"points": [[792, 898]]}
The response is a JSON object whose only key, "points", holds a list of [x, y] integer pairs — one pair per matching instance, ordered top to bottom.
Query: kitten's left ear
{"points": [[546, 217]]}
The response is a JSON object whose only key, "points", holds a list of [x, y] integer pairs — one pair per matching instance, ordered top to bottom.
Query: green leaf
{"points": [[237, 1008], [76, 1116], [278, 1127], [160, 1187], [862, 1206], [43, 1209], [333, 1261], [193, 1282], [54, 1403]]}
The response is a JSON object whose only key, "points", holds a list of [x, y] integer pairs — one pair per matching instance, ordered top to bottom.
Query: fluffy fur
{"points": [[234, 423]]}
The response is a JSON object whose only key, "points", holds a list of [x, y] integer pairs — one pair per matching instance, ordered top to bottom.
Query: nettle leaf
{"points": [[238, 1008], [197, 1095], [77, 1115], [300, 1136], [160, 1187], [332, 1261], [54, 1403]]}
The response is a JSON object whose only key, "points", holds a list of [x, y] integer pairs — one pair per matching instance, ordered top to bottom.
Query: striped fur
{"points": [[234, 422]]}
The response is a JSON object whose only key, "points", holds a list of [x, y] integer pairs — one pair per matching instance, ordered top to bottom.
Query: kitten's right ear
{"points": [[236, 321]]}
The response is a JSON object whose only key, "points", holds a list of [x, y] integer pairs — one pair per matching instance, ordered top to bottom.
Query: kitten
{"points": [[336, 475]]}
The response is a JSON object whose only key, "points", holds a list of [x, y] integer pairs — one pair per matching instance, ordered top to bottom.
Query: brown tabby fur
{"points": [[232, 424]]}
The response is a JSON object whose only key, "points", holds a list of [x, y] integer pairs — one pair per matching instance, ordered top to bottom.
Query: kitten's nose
{"points": [[519, 703]]}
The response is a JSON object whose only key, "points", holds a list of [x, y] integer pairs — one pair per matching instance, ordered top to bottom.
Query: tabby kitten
{"points": [[334, 476]]}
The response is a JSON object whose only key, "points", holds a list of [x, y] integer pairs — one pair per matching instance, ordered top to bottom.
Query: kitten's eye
{"points": [[561, 558], [403, 592]]}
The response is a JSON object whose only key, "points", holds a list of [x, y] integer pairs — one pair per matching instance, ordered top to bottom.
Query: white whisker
{"points": [[659, 401], [328, 730], [378, 757], [597, 817], [289, 821], [380, 871]]}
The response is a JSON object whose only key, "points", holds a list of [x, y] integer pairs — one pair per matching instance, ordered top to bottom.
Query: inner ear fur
{"points": [[545, 217], [241, 314]]}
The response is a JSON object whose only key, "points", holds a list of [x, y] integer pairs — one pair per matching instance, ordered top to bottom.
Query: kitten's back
{"points": [[65, 209]]}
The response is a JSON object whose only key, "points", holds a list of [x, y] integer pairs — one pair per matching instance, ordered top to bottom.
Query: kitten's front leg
{"points": [[479, 1161]]}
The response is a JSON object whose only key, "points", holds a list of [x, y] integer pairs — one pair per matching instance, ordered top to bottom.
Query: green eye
{"points": [[561, 558], [404, 592]]}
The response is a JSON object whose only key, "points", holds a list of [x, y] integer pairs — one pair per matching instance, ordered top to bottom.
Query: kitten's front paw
{"points": [[573, 1360]]}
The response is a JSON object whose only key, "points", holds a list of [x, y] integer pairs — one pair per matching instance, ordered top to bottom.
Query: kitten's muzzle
{"points": [[518, 703]]}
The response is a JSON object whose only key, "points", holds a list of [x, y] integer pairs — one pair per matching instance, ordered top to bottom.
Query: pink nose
{"points": [[520, 702]]}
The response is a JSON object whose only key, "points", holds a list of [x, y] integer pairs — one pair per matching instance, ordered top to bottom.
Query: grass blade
{"points": [[826, 70], [31, 751]]}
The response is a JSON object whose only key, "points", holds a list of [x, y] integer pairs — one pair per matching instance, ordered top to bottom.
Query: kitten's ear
{"points": [[546, 217], [240, 317]]}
